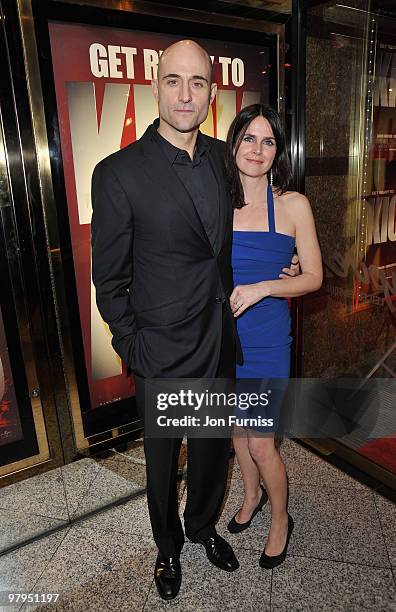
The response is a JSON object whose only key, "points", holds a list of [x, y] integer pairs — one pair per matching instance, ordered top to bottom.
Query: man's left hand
{"points": [[294, 269]]}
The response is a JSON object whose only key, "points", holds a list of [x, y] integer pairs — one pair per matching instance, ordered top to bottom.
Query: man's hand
{"points": [[294, 269]]}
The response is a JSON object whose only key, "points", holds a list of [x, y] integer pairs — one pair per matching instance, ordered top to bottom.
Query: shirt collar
{"points": [[201, 148]]}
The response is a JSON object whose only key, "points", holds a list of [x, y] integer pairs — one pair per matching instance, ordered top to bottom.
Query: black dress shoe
{"points": [[234, 527], [220, 553], [269, 562], [168, 576]]}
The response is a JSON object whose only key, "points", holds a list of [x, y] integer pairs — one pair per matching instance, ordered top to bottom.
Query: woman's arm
{"points": [[311, 275]]}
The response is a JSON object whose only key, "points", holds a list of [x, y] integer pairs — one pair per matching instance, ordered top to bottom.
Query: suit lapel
{"points": [[170, 185]]}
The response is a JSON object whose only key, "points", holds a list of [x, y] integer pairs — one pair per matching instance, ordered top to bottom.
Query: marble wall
{"points": [[337, 339]]}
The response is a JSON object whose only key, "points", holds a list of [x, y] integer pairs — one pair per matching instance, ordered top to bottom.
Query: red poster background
{"points": [[10, 424]]}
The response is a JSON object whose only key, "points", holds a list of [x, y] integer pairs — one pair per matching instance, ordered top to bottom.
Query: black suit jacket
{"points": [[159, 284]]}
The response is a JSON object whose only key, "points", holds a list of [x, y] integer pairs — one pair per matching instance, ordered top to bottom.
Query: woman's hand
{"points": [[245, 296]]}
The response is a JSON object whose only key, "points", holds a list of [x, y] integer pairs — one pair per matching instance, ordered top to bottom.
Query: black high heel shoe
{"points": [[234, 527], [269, 562]]}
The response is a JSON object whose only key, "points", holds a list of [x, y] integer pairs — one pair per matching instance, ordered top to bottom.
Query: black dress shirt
{"points": [[198, 178]]}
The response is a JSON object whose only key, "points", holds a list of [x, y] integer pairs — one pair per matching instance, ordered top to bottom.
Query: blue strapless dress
{"points": [[264, 329]]}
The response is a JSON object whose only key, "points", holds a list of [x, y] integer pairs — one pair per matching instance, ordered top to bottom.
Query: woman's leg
{"points": [[273, 472], [250, 475]]}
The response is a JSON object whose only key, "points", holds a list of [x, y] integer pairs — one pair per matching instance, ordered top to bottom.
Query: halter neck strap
{"points": [[270, 209]]}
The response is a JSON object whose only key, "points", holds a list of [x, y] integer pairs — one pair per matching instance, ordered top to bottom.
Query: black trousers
{"points": [[207, 470]]}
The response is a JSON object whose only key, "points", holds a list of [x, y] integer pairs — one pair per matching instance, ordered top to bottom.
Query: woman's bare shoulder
{"points": [[294, 198]]}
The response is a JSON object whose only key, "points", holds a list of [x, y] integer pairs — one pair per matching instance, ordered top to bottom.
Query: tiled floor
{"points": [[342, 555]]}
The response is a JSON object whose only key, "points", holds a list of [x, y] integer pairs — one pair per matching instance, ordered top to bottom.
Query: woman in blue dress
{"points": [[269, 222]]}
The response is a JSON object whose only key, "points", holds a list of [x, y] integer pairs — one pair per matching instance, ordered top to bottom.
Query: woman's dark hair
{"points": [[281, 169]]}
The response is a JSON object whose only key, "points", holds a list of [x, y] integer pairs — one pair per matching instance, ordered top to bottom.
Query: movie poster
{"points": [[104, 100], [378, 270], [10, 424]]}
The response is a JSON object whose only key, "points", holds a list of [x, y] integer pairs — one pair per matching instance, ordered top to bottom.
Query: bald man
{"points": [[161, 263]]}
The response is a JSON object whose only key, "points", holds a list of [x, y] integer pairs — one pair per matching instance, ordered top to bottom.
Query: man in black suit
{"points": [[161, 264]]}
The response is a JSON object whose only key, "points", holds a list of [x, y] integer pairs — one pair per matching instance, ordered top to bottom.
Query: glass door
{"points": [[349, 327], [30, 442]]}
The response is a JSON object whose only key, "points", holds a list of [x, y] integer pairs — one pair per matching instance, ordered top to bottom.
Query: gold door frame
{"points": [[17, 469]]}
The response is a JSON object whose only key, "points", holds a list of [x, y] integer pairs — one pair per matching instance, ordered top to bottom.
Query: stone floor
{"points": [[342, 555]]}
